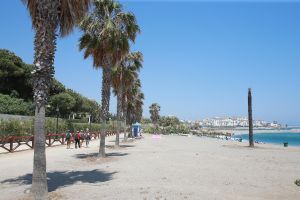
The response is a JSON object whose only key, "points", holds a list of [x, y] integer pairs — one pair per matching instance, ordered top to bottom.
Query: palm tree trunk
{"points": [[45, 46], [106, 84], [119, 110], [119, 114], [125, 116], [251, 143], [39, 179]]}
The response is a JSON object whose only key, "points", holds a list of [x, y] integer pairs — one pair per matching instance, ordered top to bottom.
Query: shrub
{"points": [[10, 105], [50, 126], [84, 126], [16, 127], [26, 127], [297, 182]]}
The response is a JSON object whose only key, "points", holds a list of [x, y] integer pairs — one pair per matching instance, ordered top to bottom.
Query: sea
{"points": [[293, 138]]}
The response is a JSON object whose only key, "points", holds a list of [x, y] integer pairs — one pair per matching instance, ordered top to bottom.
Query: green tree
{"points": [[48, 17], [107, 33], [15, 76], [56, 87], [79, 100], [64, 102], [9, 105], [154, 113], [146, 121], [168, 121]]}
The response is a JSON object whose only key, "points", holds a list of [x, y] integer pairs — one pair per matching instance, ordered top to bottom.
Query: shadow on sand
{"points": [[121, 146], [95, 155], [58, 179]]}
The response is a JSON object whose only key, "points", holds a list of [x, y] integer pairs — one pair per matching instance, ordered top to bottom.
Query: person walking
{"points": [[82, 137], [87, 138], [68, 139], [77, 140]]}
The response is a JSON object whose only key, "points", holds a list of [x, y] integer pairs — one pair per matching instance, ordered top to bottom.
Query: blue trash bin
{"points": [[136, 129]]}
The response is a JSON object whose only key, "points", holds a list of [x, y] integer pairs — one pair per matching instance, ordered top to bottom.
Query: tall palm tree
{"points": [[48, 18], [107, 35], [123, 78], [139, 106], [133, 108], [154, 113], [251, 143]]}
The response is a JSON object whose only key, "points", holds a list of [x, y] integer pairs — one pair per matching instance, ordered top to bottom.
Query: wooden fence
{"points": [[12, 143]]}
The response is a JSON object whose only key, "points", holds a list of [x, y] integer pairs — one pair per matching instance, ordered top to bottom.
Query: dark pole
{"points": [[57, 114], [90, 123], [251, 143]]}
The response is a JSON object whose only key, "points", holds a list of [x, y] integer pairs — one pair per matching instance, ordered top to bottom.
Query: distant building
{"points": [[235, 122]]}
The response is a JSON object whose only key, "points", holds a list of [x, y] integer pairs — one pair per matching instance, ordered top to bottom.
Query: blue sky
{"points": [[200, 57]]}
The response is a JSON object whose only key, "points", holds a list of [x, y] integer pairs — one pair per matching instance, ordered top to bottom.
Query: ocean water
{"points": [[274, 138]]}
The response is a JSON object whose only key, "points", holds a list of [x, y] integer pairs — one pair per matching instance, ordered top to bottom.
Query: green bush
{"points": [[10, 105], [83, 120], [51, 125], [84, 126], [110, 126], [16, 127], [26, 127], [150, 128], [172, 129], [297, 182]]}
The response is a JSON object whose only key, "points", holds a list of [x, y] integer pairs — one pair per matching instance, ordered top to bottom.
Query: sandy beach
{"points": [[173, 167]]}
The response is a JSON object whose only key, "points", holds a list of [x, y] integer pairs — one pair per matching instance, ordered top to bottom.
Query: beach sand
{"points": [[173, 167]]}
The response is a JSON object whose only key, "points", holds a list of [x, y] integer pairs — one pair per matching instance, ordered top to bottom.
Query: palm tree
{"points": [[48, 17], [107, 35], [123, 78], [129, 101], [135, 103], [139, 106], [135, 107], [154, 113], [251, 143]]}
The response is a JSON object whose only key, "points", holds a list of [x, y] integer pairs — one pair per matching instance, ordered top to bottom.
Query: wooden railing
{"points": [[12, 143]]}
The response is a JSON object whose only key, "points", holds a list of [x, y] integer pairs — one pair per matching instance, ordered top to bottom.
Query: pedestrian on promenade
{"points": [[87, 137], [82, 138], [68, 139], [77, 140]]}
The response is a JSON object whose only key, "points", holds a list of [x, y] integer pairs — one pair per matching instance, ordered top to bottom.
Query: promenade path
{"points": [[173, 167]]}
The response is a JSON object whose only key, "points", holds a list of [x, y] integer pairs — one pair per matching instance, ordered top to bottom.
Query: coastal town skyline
{"points": [[233, 121]]}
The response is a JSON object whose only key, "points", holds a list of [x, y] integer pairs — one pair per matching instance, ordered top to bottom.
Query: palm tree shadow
{"points": [[120, 146], [95, 155], [58, 179]]}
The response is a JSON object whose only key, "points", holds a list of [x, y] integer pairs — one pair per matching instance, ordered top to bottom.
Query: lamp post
{"points": [[57, 114], [90, 122]]}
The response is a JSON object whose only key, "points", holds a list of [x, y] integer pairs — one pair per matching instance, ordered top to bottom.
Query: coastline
{"points": [[255, 131]]}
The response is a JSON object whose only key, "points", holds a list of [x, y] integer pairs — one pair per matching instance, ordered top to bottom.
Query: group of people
{"points": [[79, 137]]}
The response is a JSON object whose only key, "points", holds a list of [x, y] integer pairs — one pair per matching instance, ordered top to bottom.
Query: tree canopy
{"points": [[17, 97], [154, 112]]}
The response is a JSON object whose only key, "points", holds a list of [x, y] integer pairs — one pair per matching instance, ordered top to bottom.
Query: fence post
{"points": [[49, 137], [63, 139], [32, 142], [11, 144]]}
